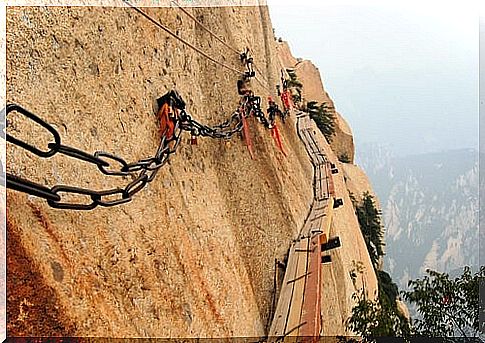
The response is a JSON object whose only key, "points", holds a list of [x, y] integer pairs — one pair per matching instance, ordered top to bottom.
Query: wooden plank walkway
{"points": [[284, 307], [298, 312]]}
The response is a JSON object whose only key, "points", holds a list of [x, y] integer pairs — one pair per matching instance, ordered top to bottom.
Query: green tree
{"points": [[293, 81], [312, 108], [323, 117], [371, 227], [388, 290], [446, 307], [380, 317], [376, 318]]}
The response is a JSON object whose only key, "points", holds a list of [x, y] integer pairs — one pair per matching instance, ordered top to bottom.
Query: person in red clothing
{"points": [[285, 95], [286, 99]]}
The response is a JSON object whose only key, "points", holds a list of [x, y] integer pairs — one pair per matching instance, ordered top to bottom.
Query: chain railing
{"points": [[143, 171]]}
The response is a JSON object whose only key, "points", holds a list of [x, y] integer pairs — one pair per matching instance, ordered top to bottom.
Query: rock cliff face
{"points": [[342, 143], [358, 182], [193, 254]]}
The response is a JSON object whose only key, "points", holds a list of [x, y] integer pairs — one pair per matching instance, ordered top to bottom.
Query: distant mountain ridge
{"points": [[430, 209]]}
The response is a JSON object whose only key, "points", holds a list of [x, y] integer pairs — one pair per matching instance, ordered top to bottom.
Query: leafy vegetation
{"points": [[294, 83], [323, 117], [344, 158], [371, 227], [388, 290], [446, 307], [379, 317], [375, 318]]}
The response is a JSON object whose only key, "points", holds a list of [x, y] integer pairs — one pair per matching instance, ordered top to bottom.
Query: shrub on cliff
{"points": [[293, 81], [323, 117], [344, 158], [371, 227], [448, 309], [380, 317], [376, 318]]}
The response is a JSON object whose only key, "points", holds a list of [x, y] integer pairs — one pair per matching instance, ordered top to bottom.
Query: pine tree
{"points": [[293, 81], [312, 108], [323, 117], [371, 227]]}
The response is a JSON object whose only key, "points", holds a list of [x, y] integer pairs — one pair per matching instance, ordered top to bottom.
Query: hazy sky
{"points": [[403, 73]]}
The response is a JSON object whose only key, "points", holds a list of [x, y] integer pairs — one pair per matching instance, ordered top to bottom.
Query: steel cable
{"points": [[205, 28], [171, 33], [218, 38]]}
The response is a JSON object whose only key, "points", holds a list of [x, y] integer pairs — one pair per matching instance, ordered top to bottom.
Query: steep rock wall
{"points": [[286, 57], [313, 90], [342, 142], [358, 182], [193, 254]]}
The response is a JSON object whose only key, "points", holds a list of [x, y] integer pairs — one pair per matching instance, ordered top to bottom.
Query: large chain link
{"points": [[142, 171]]}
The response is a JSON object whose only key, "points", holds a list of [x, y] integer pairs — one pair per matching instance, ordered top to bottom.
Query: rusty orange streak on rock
{"points": [[275, 133], [249, 144], [46, 224], [193, 272], [33, 308]]}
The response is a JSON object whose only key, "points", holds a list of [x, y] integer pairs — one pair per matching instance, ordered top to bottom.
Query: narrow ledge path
{"points": [[298, 311]]}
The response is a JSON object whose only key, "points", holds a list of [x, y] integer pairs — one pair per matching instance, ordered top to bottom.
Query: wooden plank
{"points": [[311, 148], [319, 182], [331, 186], [321, 206], [317, 209], [318, 216], [327, 220], [307, 227], [283, 307], [299, 307], [311, 313], [294, 317]]}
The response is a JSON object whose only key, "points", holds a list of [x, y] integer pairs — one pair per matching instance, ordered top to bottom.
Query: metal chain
{"points": [[250, 105], [143, 171]]}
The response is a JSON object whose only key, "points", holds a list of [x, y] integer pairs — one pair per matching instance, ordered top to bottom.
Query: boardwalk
{"points": [[298, 310]]}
